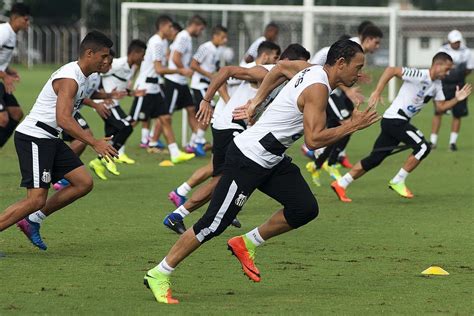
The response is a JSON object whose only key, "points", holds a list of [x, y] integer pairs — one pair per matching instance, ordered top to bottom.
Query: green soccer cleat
{"points": [[182, 157], [123, 158], [111, 167], [311, 167], [98, 168], [333, 172], [401, 189], [160, 286]]}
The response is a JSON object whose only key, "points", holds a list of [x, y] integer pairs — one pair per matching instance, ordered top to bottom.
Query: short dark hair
{"points": [[20, 9], [162, 19], [197, 19], [271, 25], [363, 25], [177, 26], [219, 29], [371, 31], [344, 37], [94, 41], [136, 45], [267, 46], [346, 49], [295, 52], [441, 57]]}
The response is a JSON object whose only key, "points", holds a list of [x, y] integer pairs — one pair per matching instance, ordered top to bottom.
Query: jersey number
{"points": [[301, 77]]}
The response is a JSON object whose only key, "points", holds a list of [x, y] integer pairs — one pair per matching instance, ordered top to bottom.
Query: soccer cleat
{"points": [[432, 145], [453, 147], [189, 149], [199, 150], [307, 152], [182, 157], [123, 158], [344, 161], [111, 167], [311, 167], [98, 168], [333, 172], [61, 184], [401, 189], [340, 192], [176, 198], [175, 222], [236, 223], [31, 230], [245, 253], [160, 286]]}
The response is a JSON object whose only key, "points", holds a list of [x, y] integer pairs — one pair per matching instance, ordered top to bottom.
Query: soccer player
{"points": [[270, 35], [205, 62], [463, 65], [176, 85], [419, 86], [153, 104], [10, 111], [224, 127], [43, 157], [256, 159]]}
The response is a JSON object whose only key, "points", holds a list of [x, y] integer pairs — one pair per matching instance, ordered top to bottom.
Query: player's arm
{"points": [[177, 60], [196, 66], [162, 70], [388, 74], [66, 89], [114, 94], [461, 94], [313, 102], [100, 107]]}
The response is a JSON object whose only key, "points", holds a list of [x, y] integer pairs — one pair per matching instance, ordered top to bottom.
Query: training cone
{"points": [[166, 163], [435, 271]]}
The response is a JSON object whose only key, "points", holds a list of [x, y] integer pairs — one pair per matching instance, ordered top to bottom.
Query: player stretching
{"points": [[419, 86], [42, 155], [256, 160]]}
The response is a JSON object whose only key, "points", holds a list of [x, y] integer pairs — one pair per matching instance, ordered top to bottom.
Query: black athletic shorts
{"points": [[198, 95], [178, 96], [6, 99], [148, 107], [460, 109], [81, 121], [116, 121], [220, 144], [43, 160]]}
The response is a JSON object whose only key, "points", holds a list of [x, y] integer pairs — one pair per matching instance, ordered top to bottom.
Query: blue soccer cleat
{"points": [[199, 150], [175, 222], [32, 231]]}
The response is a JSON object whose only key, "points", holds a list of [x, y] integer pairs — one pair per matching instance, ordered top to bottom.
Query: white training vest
{"points": [[182, 43], [7, 45], [207, 57], [118, 77], [148, 78], [282, 122]]}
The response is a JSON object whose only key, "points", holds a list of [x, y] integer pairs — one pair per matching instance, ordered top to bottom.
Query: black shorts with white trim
{"points": [[178, 95], [6, 99], [148, 107], [82, 123], [221, 139], [43, 160]]}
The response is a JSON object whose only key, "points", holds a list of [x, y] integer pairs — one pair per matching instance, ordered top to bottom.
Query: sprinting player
{"points": [[270, 34], [205, 62], [463, 65], [176, 85], [419, 86], [153, 104], [10, 111], [117, 125], [224, 128], [43, 157], [256, 159]]}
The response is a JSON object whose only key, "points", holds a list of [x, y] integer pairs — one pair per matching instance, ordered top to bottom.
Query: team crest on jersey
{"points": [[141, 115], [46, 177], [240, 200]]}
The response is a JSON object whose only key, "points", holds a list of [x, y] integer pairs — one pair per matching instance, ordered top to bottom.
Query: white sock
{"points": [[145, 134], [200, 136], [453, 137], [434, 138], [192, 141], [174, 150], [121, 151], [342, 153], [401, 176], [345, 180], [183, 189], [181, 210], [37, 217], [255, 237], [164, 267]]}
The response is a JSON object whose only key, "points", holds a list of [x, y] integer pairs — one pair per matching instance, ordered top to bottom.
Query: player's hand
{"points": [[187, 72], [364, 78], [9, 82], [139, 92], [464, 92], [117, 95], [355, 95], [375, 98], [102, 109], [244, 112], [204, 114], [365, 118], [104, 149]]}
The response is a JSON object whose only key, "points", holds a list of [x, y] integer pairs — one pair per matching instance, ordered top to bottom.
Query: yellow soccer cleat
{"points": [[182, 157], [123, 158], [111, 167], [98, 168], [311, 168], [333, 172], [401, 189], [160, 286]]}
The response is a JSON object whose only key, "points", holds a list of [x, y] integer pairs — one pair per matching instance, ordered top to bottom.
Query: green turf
{"points": [[362, 258]]}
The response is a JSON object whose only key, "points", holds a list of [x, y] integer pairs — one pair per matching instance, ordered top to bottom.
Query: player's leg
{"points": [[459, 111], [10, 115], [435, 126], [199, 140]]}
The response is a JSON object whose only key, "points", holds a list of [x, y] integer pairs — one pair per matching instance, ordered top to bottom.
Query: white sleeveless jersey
{"points": [[182, 43], [7, 45], [156, 49], [460, 56], [207, 57], [119, 76], [93, 84], [417, 89], [44, 109], [222, 117], [282, 123]]}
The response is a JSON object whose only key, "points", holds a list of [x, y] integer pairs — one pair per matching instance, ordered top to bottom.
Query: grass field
{"points": [[361, 258]]}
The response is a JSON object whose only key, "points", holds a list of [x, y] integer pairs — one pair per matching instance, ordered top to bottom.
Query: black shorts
{"points": [[198, 95], [178, 96], [6, 99], [148, 107], [339, 107], [460, 109], [81, 121], [116, 121], [220, 144], [43, 160], [241, 177]]}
